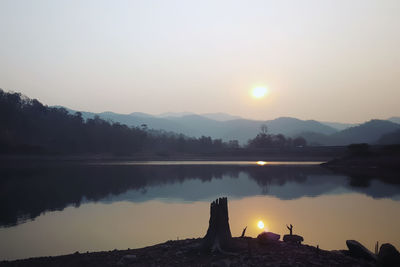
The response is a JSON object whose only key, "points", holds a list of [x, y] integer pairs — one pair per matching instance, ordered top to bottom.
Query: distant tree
{"points": [[29, 124], [144, 127], [264, 129], [262, 140], [279, 140], [299, 142], [217, 144], [233, 144]]}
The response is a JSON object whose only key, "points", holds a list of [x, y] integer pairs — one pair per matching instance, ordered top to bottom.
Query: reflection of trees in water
{"points": [[282, 175], [362, 176], [265, 177], [360, 181], [25, 193]]}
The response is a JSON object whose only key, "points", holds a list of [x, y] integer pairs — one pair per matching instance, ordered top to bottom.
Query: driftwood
{"points": [[290, 229], [218, 237], [291, 237]]}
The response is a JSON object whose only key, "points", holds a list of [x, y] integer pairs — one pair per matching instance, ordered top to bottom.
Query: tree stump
{"points": [[218, 235]]}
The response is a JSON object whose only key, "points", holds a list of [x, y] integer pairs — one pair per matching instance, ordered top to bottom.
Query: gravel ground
{"points": [[246, 252]]}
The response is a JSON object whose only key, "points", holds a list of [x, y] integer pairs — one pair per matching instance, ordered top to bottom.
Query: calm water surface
{"points": [[58, 209]]}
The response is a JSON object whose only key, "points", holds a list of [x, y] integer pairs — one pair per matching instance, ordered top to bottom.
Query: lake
{"points": [[58, 208]]}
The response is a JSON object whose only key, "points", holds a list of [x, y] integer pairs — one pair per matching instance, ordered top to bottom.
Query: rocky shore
{"points": [[247, 252]]}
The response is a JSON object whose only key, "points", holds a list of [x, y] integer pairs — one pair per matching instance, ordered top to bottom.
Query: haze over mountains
{"points": [[394, 119], [228, 127]]}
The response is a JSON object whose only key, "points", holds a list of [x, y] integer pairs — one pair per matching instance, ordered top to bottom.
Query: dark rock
{"points": [[265, 237], [293, 239], [359, 251], [344, 252], [388, 256], [128, 259], [221, 263]]}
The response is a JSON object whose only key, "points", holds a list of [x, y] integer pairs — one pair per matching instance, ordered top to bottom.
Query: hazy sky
{"points": [[325, 60]]}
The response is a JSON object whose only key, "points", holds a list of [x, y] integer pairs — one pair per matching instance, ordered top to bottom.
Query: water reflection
{"points": [[27, 192], [125, 205]]}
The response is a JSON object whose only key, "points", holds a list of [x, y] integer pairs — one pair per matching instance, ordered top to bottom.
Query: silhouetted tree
{"points": [[27, 125], [264, 129], [264, 140], [299, 142]]}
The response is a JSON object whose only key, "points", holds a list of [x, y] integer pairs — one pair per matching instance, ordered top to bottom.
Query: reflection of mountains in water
{"points": [[27, 192]]}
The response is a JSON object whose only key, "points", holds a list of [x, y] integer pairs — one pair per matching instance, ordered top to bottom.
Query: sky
{"points": [[319, 59]]}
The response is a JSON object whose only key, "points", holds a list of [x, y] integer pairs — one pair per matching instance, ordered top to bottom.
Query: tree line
{"points": [[28, 126], [265, 140]]}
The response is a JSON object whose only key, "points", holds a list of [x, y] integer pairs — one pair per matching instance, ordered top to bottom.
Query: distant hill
{"points": [[141, 114], [174, 114], [220, 116], [394, 119], [216, 125], [339, 125], [291, 126], [29, 127], [368, 132], [316, 133], [390, 138], [316, 139]]}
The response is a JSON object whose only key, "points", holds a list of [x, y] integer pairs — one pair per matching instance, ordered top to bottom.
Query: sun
{"points": [[259, 92], [260, 225]]}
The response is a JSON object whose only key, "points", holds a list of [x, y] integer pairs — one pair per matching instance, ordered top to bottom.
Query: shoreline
{"points": [[272, 154], [21, 159], [247, 252]]}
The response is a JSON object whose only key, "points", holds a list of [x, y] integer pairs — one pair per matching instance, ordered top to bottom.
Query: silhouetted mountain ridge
{"points": [[394, 119], [215, 125], [339, 125], [30, 127], [240, 129], [369, 132]]}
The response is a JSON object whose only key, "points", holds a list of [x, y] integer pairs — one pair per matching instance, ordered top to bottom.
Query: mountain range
{"points": [[228, 127]]}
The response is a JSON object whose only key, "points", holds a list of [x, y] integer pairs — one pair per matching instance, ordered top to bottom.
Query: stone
{"points": [[265, 237], [293, 239], [359, 251], [388, 256]]}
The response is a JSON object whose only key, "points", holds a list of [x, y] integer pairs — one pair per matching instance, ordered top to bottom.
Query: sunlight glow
{"points": [[259, 92], [261, 163], [260, 225]]}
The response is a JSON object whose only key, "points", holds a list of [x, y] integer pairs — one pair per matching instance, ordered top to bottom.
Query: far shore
{"points": [[317, 153], [29, 160]]}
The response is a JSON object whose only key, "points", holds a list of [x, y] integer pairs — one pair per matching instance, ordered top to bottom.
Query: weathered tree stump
{"points": [[218, 235]]}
